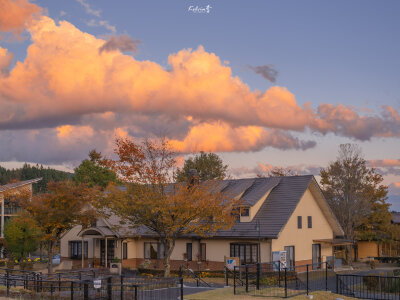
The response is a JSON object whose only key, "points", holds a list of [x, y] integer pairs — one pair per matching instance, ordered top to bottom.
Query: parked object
{"points": [[56, 259]]}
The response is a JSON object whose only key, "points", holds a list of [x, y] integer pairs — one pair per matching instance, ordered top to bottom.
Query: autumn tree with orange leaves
{"points": [[62, 207], [170, 210]]}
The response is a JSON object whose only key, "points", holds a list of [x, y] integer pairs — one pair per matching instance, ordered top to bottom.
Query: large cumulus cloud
{"points": [[68, 82]]}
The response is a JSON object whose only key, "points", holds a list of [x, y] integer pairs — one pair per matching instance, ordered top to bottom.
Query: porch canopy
{"points": [[97, 232], [334, 242]]}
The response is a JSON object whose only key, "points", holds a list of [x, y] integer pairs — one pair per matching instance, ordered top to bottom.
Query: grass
{"points": [[227, 293]]}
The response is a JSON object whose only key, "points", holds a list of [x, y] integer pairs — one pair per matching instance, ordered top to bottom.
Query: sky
{"points": [[261, 83]]}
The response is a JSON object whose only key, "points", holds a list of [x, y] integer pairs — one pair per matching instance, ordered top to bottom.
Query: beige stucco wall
{"points": [[72, 235], [303, 238], [216, 249], [366, 249]]}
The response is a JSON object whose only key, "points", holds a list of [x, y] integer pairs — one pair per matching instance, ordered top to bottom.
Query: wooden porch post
{"points": [[106, 246], [83, 253]]}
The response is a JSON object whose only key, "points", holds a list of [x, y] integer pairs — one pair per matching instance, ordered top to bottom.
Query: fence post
{"points": [[279, 273], [258, 275], [226, 276], [326, 276], [247, 278], [307, 279], [234, 280], [59, 282], [181, 282], [285, 282], [7, 283], [37, 283], [337, 284], [122, 287], [109, 288], [51, 289], [72, 290], [86, 290], [135, 292]]}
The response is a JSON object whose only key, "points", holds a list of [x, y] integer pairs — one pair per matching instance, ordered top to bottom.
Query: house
{"points": [[277, 214], [367, 249]]}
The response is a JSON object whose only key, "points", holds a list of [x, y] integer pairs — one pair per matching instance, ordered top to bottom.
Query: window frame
{"points": [[299, 222], [309, 222], [78, 248], [125, 250], [236, 251], [203, 252], [189, 257]]}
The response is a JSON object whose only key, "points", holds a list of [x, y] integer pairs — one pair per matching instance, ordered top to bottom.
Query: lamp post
{"points": [[259, 240], [259, 254]]}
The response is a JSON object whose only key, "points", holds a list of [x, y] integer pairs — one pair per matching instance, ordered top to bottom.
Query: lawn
{"points": [[227, 293]]}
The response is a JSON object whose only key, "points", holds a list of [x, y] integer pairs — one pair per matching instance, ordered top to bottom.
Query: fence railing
{"points": [[271, 280], [32, 285], [368, 287]]}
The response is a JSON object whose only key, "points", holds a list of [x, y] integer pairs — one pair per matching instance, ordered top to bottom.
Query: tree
{"points": [[209, 166], [279, 172], [92, 173], [355, 193], [151, 199], [64, 206], [22, 235]]}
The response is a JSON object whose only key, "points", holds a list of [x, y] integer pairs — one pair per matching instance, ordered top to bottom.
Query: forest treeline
{"points": [[31, 172]]}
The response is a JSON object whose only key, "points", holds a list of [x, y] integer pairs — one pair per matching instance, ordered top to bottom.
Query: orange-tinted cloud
{"points": [[15, 14], [5, 61]]}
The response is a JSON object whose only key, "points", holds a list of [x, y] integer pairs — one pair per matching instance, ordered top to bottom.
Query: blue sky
{"points": [[336, 52]]}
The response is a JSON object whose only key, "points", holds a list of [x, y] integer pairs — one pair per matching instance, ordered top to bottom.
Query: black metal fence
{"points": [[271, 280], [87, 285], [368, 287]]}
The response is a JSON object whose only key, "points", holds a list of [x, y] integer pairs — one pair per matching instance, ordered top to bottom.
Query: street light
{"points": [[259, 240]]}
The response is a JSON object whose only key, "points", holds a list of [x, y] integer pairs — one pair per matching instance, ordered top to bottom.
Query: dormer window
{"points": [[244, 211]]}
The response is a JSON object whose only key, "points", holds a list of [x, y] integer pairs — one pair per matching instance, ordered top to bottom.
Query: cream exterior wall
{"points": [[72, 235], [302, 239], [216, 249]]}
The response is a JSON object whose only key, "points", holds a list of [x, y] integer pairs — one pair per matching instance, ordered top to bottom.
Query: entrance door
{"points": [[110, 252], [316, 256], [289, 257]]}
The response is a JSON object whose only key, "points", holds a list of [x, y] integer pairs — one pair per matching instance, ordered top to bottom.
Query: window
{"points": [[244, 211], [309, 221], [299, 222], [75, 249], [153, 250], [124, 251], [189, 251], [203, 252], [248, 253]]}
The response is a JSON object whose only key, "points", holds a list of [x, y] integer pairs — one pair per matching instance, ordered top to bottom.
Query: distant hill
{"points": [[31, 172], [395, 201]]}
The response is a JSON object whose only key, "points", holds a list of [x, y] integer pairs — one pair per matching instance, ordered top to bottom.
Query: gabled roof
{"points": [[18, 184], [284, 195], [395, 217]]}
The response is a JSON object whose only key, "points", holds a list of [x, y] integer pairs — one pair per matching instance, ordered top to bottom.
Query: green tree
{"points": [[209, 166], [93, 173], [356, 195], [151, 199], [22, 236]]}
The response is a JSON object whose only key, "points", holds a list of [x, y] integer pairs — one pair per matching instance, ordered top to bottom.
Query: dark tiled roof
{"points": [[18, 184], [284, 195], [276, 209], [396, 217]]}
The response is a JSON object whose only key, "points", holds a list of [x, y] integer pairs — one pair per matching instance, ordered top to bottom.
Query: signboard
{"points": [[279, 259], [231, 262], [97, 283]]}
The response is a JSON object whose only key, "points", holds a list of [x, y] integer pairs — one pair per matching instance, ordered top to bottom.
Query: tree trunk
{"points": [[168, 248], [50, 253]]}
